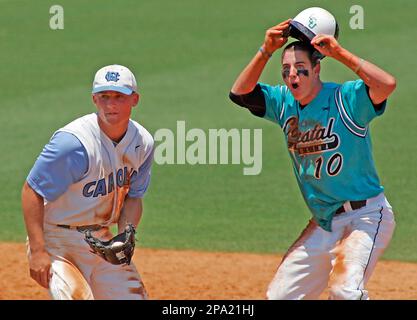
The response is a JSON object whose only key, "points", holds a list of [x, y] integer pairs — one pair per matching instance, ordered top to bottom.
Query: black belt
{"points": [[354, 204], [93, 227]]}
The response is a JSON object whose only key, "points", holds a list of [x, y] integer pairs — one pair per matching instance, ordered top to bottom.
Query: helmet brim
{"points": [[300, 32]]}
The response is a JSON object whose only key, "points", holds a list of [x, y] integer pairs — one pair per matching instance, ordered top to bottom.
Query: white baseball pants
{"points": [[348, 254], [78, 274]]}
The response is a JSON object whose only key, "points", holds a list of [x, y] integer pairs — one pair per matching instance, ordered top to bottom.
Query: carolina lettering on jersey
{"points": [[311, 141], [105, 186], [99, 196]]}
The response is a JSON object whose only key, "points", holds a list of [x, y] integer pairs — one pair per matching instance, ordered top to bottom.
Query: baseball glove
{"points": [[118, 250]]}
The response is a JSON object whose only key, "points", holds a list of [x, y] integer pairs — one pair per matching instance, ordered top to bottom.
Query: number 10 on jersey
{"points": [[332, 167]]}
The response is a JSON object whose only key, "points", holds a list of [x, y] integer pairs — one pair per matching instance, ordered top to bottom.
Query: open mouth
{"points": [[294, 85]]}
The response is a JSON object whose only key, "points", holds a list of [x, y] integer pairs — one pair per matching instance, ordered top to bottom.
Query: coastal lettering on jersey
{"points": [[315, 140], [105, 186]]}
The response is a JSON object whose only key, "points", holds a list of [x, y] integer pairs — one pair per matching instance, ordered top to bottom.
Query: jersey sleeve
{"points": [[254, 101], [355, 101], [274, 102], [62, 162], [140, 182]]}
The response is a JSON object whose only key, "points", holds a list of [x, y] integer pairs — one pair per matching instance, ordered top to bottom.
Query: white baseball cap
{"points": [[115, 78]]}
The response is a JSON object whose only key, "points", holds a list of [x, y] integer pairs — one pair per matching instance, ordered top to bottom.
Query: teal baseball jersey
{"points": [[329, 144]]}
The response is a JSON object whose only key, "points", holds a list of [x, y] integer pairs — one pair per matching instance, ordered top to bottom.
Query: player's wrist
{"points": [[265, 52], [341, 54], [359, 65], [37, 244], [37, 250]]}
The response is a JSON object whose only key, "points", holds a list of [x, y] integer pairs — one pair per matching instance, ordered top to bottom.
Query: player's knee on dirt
{"points": [[346, 293]]}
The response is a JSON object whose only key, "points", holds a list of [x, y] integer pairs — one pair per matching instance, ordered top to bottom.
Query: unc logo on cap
{"points": [[112, 76]]}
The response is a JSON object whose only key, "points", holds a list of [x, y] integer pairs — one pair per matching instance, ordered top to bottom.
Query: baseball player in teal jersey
{"points": [[326, 126]]}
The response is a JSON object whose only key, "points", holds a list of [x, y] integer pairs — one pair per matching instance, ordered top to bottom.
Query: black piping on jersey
{"points": [[254, 101], [342, 111], [370, 254]]}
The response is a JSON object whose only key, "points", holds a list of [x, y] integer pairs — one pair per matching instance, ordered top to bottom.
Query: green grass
{"points": [[186, 55]]}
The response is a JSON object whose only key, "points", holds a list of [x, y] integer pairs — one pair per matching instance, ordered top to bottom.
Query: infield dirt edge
{"points": [[197, 275]]}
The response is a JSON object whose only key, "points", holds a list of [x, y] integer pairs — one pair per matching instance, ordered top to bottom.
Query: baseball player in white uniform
{"points": [[93, 173]]}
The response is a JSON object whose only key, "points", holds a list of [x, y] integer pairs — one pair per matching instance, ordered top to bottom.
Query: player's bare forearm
{"points": [[249, 77], [381, 84], [33, 213], [131, 213]]}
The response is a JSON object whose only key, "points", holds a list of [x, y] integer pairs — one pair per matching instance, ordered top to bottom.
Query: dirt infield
{"points": [[184, 275]]}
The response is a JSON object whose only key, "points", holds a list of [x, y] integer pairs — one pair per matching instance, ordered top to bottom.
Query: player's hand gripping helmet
{"points": [[311, 22]]}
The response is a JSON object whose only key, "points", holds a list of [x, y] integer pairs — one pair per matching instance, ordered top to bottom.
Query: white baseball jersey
{"points": [[84, 178], [98, 197]]}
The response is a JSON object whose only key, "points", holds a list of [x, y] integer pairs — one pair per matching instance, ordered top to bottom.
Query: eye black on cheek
{"points": [[302, 71], [285, 73]]}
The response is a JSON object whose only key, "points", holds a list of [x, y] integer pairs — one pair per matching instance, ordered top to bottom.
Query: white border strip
{"points": [[343, 114]]}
